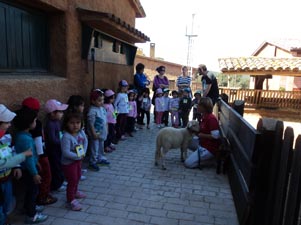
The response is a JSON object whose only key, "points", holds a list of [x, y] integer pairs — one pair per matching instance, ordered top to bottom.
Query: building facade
{"points": [[48, 47]]}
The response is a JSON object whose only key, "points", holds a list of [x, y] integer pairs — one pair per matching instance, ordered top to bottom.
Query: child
{"points": [[76, 103], [194, 103], [145, 104], [159, 106], [166, 106], [185, 106], [122, 107], [174, 109], [131, 116], [111, 119], [24, 122], [97, 130], [53, 134], [74, 145], [7, 162], [44, 197]]}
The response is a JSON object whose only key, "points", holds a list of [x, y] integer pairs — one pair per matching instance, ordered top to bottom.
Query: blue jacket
{"points": [[140, 81], [23, 142]]}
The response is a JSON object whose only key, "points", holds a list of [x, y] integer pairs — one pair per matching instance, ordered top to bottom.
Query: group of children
{"points": [[179, 107], [48, 156]]}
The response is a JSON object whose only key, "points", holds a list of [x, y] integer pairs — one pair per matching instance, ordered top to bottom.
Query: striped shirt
{"points": [[183, 81]]}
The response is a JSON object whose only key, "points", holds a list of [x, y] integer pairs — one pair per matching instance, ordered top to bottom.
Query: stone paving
{"points": [[133, 191]]}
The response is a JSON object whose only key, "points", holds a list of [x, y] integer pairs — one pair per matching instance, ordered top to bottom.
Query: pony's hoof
{"points": [[182, 160], [156, 164], [163, 168]]}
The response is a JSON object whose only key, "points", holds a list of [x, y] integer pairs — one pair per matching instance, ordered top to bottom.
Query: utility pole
{"points": [[190, 37]]}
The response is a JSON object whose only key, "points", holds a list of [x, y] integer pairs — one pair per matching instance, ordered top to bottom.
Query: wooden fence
{"points": [[264, 98], [264, 169]]}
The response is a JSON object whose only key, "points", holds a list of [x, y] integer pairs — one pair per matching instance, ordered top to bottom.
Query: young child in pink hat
{"points": [[53, 134]]}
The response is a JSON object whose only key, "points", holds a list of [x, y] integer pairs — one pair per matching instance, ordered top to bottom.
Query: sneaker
{"points": [[147, 126], [159, 126], [136, 129], [131, 135], [123, 138], [112, 146], [108, 150], [103, 162], [94, 167], [84, 170], [82, 178], [65, 183], [62, 188], [80, 195], [47, 201], [75, 205], [40, 208], [38, 218]]}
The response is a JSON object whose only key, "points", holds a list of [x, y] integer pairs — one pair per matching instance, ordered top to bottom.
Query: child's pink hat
{"points": [[109, 93], [54, 105]]}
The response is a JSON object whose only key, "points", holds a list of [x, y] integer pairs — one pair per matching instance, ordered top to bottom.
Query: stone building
{"points": [[46, 46]]}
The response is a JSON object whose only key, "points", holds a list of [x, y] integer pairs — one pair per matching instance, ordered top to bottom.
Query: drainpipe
{"points": [[93, 63]]}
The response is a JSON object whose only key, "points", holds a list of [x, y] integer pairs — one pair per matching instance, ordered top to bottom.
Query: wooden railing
{"points": [[265, 98]]}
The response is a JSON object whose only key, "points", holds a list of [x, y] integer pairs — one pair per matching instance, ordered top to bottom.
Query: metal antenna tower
{"points": [[190, 37]]}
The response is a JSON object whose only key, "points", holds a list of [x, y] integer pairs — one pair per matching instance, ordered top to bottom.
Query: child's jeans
{"points": [[147, 113], [174, 115], [159, 118], [165, 118], [185, 118], [121, 124], [130, 124], [111, 135], [97, 150], [72, 173], [31, 191], [7, 200]]}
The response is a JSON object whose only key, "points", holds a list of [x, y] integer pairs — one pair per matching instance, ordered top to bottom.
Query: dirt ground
{"points": [[253, 118]]}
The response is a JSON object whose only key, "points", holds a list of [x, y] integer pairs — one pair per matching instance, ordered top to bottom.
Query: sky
{"points": [[224, 28]]}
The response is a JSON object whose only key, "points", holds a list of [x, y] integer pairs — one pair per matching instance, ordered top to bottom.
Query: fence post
{"points": [[266, 170], [282, 182], [294, 193]]}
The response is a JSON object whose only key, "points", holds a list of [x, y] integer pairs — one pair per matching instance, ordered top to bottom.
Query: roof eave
{"points": [[140, 13]]}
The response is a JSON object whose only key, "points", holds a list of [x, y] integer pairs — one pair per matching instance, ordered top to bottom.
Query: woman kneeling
{"points": [[209, 135]]}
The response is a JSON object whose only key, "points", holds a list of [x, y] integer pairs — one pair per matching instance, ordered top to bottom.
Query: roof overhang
{"points": [[140, 13], [112, 25], [259, 66]]}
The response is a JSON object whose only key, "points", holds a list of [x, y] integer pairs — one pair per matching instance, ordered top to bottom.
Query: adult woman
{"points": [[184, 80], [160, 81], [209, 135]]}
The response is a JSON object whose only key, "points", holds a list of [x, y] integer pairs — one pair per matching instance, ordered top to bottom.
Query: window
{"points": [[23, 40], [109, 49]]}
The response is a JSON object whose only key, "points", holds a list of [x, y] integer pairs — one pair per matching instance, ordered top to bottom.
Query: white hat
{"points": [[5, 114]]}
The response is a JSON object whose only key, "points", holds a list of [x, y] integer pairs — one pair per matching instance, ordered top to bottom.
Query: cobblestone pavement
{"points": [[133, 191]]}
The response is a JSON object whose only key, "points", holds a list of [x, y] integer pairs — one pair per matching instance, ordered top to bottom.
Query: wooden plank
{"points": [[3, 37], [18, 40], [26, 40], [281, 185], [239, 191], [293, 199]]}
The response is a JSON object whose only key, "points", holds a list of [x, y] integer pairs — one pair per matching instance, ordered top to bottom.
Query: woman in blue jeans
{"points": [[209, 135]]}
